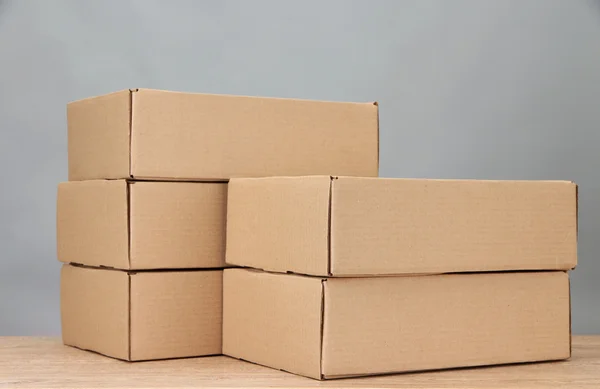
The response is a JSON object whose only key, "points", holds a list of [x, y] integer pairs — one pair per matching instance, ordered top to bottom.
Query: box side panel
{"points": [[186, 136], [98, 137], [91, 223], [279, 224], [177, 225], [402, 226], [95, 310], [176, 314], [273, 320], [396, 324]]}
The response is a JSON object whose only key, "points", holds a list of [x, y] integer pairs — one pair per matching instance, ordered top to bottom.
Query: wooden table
{"points": [[46, 363]]}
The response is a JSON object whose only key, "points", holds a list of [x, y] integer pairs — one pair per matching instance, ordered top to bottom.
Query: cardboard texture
{"points": [[152, 134], [142, 225], [348, 226], [142, 316], [339, 327]]}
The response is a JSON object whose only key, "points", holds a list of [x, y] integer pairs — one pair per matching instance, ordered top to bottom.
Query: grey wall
{"points": [[467, 89]]}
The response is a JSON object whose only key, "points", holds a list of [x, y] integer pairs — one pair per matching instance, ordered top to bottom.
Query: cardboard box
{"points": [[151, 134], [142, 225], [367, 226], [142, 316], [340, 327]]}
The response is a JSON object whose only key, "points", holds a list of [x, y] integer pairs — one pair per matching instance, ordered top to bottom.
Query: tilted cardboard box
{"points": [[143, 133], [142, 225], [321, 225], [142, 316], [339, 327]]}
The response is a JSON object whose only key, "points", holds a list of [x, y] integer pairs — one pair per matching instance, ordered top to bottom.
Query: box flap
{"points": [[98, 132], [204, 136], [92, 223], [279, 224], [177, 225], [398, 226], [95, 310], [176, 314], [273, 320], [391, 324]]}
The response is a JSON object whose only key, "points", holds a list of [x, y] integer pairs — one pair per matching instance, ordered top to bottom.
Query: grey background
{"points": [[467, 89]]}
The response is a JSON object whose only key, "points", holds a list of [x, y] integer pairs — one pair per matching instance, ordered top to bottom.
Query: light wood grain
{"points": [[46, 363]]}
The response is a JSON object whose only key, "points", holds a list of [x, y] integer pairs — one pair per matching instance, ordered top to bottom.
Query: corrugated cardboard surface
{"points": [[98, 137], [200, 137], [92, 223], [279, 224], [142, 225], [177, 225], [401, 226], [430, 226], [95, 310], [176, 314], [142, 316], [273, 320], [389, 324], [382, 325]]}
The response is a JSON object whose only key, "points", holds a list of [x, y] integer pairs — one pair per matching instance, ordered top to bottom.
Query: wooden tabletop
{"points": [[46, 363]]}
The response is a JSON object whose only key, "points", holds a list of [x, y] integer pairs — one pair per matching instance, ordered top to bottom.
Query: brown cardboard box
{"points": [[144, 133], [142, 225], [347, 226], [142, 316], [338, 327]]}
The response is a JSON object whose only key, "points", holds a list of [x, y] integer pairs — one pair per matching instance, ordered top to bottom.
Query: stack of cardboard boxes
{"points": [[141, 222], [344, 274], [362, 276]]}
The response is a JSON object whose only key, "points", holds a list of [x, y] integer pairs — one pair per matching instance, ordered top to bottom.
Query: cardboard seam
{"points": [[131, 92], [376, 104], [176, 180], [128, 200], [329, 212], [576, 223], [99, 267], [161, 270], [176, 270], [487, 271], [273, 272], [355, 276], [129, 316], [570, 317], [322, 328], [96, 352], [434, 370]]}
